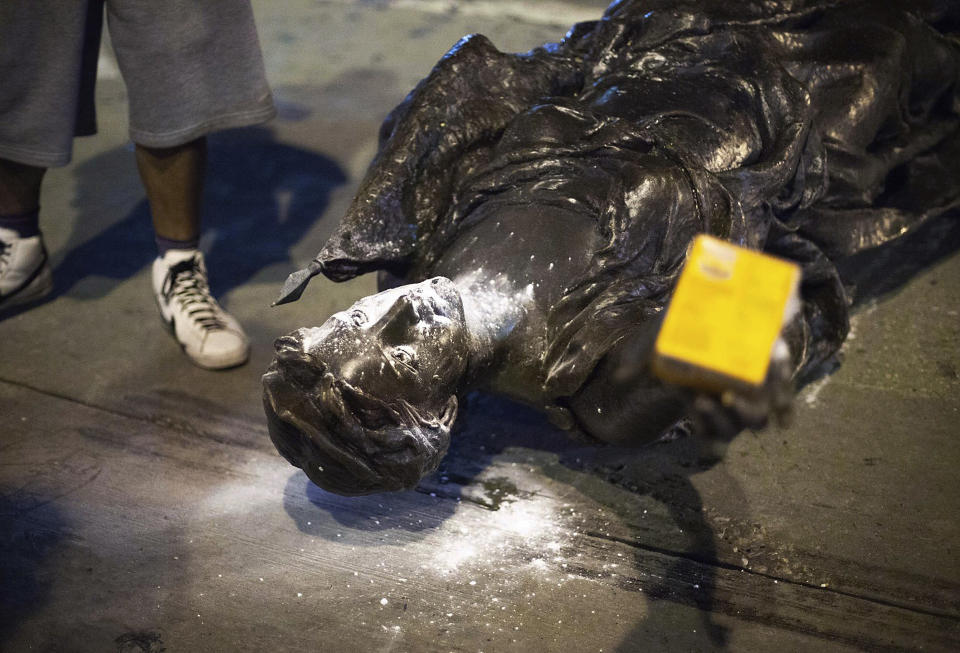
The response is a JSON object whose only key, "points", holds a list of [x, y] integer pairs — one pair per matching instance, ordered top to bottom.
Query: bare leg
{"points": [[173, 178], [19, 187]]}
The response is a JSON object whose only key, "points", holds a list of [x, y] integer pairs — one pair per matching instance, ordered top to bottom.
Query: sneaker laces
{"points": [[186, 282]]}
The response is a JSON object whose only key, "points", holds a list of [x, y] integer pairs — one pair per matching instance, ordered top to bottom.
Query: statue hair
{"points": [[346, 440]]}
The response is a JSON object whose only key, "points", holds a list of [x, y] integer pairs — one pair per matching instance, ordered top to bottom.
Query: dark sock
{"points": [[25, 224], [166, 244]]}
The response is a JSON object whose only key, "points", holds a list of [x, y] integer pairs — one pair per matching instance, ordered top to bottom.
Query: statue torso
{"points": [[513, 264]]}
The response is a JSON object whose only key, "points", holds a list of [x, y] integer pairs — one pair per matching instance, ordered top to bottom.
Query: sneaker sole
{"points": [[38, 288], [208, 362]]}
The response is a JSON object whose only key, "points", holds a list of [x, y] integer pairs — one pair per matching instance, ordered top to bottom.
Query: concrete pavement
{"points": [[142, 507]]}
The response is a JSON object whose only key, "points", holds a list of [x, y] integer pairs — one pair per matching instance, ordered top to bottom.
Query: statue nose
{"points": [[403, 313]]}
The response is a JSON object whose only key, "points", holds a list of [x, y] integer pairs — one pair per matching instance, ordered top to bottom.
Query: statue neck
{"points": [[511, 267], [498, 316]]}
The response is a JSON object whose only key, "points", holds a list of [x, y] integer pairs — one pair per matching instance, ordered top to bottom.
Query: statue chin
{"points": [[347, 462]]}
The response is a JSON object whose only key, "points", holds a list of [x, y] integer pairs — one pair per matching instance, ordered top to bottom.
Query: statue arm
{"points": [[624, 403]]}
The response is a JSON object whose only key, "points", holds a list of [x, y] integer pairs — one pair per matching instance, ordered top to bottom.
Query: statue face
{"points": [[406, 343], [365, 402]]}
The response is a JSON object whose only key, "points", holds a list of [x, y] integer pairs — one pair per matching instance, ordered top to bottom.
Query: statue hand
{"points": [[723, 416]]}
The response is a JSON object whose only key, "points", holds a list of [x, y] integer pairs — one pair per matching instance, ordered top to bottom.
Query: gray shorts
{"points": [[190, 66]]}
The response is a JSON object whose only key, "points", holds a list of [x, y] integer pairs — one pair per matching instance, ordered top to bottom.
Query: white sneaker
{"points": [[24, 270], [210, 336]]}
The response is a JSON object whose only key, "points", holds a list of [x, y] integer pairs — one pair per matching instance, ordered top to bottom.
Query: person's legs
{"points": [[47, 61], [190, 68], [173, 178], [19, 187], [24, 271]]}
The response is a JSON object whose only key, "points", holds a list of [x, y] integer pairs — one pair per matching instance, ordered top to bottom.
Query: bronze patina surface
{"points": [[542, 204]]}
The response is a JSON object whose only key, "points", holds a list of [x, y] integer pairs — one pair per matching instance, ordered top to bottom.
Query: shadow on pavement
{"points": [[261, 197], [312, 509], [25, 546]]}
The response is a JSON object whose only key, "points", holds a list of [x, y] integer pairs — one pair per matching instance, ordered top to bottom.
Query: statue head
{"points": [[365, 402]]}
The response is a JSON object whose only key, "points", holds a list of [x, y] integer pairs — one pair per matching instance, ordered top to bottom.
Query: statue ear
{"points": [[449, 413]]}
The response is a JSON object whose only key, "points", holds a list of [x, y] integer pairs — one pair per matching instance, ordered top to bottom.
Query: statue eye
{"points": [[358, 317], [405, 356]]}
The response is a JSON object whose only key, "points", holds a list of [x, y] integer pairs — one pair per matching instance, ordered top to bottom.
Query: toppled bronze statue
{"points": [[542, 204]]}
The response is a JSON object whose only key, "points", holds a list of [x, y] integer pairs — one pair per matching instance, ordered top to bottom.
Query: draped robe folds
{"points": [[811, 130]]}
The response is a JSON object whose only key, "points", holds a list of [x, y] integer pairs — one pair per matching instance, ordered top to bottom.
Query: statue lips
{"points": [[297, 363]]}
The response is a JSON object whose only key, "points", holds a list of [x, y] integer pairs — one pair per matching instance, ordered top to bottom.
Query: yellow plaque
{"points": [[725, 315]]}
